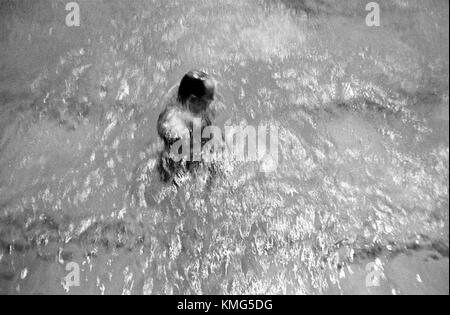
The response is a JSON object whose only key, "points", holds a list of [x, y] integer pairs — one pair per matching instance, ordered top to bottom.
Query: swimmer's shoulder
{"points": [[170, 106], [174, 122]]}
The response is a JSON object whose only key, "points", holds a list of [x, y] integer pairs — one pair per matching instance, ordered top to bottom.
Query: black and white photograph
{"points": [[224, 154]]}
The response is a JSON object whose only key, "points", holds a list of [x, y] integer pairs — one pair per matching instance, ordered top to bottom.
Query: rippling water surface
{"points": [[363, 166]]}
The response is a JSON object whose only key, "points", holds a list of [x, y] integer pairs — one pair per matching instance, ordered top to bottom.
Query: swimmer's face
{"points": [[196, 91], [197, 105]]}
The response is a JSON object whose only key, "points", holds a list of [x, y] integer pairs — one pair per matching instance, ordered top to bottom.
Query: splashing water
{"points": [[363, 125]]}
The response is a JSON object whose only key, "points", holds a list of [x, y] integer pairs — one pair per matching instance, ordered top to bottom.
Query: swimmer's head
{"points": [[196, 91]]}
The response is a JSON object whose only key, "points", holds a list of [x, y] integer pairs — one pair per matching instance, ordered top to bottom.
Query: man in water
{"points": [[176, 123]]}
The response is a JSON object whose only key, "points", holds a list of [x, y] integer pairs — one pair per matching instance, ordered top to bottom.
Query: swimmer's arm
{"points": [[162, 127]]}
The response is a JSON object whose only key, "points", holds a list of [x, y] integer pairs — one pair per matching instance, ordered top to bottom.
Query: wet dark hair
{"points": [[198, 84]]}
